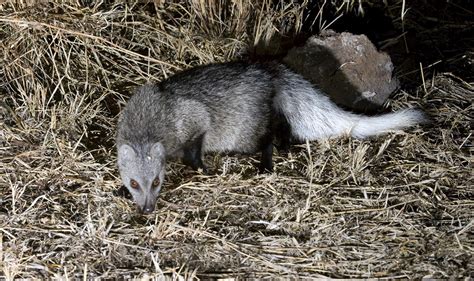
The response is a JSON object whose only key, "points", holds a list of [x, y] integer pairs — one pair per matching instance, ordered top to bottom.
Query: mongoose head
{"points": [[142, 171]]}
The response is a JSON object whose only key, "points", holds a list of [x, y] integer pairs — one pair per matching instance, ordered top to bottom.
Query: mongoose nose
{"points": [[147, 210]]}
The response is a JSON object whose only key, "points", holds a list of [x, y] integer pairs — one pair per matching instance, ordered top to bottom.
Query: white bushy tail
{"points": [[312, 115], [374, 125]]}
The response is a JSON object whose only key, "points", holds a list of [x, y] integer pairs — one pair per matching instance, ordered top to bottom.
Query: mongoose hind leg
{"points": [[282, 132], [193, 154], [266, 162]]}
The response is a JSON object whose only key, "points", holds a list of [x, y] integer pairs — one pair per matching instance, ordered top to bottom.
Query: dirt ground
{"points": [[399, 205]]}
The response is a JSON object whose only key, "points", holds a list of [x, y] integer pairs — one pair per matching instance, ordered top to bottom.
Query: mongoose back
{"points": [[229, 107]]}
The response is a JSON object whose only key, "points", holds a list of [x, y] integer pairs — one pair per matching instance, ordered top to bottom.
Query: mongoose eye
{"points": [[156, 182], [134, 184]]}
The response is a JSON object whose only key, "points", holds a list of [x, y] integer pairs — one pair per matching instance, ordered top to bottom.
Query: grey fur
{"points": [[231, 107]]}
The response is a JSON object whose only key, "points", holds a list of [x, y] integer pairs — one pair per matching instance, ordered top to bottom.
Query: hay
{"points": [[399, 205]]}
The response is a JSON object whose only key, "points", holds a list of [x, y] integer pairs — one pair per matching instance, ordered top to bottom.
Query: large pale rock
{"points": [[346, 67]]}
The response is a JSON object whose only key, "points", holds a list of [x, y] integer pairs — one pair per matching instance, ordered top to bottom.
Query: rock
{"points": [[346, 67]]}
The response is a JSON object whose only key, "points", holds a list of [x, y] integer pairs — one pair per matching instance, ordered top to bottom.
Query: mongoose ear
{"points": [[158, 150], [125, 153]]}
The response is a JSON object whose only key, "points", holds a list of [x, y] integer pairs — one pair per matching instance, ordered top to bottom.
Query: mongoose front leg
{"points": [[193, 154], [266, 162]]}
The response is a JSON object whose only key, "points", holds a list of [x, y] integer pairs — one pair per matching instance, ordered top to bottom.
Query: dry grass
{"points": [[400, 205]]}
